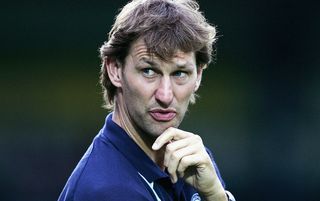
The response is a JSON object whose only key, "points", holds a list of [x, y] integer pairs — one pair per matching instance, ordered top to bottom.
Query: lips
{"points": [[163, 115]]}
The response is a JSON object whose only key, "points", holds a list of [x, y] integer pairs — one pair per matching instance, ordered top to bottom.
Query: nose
{"points": [[164, 93]]}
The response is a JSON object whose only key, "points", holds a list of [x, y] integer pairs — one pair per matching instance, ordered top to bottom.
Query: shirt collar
{"points": [[129, 149]]}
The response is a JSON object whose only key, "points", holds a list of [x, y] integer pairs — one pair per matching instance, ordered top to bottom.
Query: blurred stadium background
{"points": [[259, 106]]}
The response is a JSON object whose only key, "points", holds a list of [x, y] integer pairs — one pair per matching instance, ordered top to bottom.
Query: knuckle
{"points": [[171, 129], [190, 134], [197, 138], [169, 148], [175, 156], [184, 162], [182, 167], [170, 170]]}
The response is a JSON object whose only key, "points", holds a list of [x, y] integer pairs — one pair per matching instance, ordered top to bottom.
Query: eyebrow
{"points": [[149, 61], [187, 65]]}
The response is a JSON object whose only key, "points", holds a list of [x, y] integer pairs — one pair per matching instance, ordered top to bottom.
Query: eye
{"points": [[148, 72], [180, 74]]}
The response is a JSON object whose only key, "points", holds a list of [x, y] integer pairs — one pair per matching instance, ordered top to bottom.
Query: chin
{"points": [[158, 130]]}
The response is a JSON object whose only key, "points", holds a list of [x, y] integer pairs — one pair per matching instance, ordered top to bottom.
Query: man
{"points": [[152, 66]]}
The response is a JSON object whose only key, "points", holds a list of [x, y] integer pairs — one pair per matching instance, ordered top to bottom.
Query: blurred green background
{"points": [[258, 109]]}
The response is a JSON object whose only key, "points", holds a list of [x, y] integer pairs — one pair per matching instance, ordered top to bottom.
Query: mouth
{"points": [[163, 115]]}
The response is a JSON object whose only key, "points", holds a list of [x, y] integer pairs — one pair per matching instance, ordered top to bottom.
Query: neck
{"points": [[122, 118]]}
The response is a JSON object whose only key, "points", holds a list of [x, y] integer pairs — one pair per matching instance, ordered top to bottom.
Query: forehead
{"points": [[140, 51]]}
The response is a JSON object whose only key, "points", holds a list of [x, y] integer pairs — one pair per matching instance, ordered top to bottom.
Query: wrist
{"points": [[217, 193], [218, 196]]}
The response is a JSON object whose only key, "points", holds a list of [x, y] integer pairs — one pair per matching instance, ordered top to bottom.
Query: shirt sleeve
{"points": [[216, 167], [229, 195]]}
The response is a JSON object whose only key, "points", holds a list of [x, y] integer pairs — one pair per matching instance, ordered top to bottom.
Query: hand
{"points": [[186, 157]]}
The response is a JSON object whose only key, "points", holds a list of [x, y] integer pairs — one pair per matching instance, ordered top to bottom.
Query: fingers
{"points": [[171, 134], [174, 147], [182, 150], [186, 157], [173, 159], [187, 161]]}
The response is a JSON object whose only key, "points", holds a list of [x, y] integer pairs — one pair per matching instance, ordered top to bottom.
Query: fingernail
{"points": [[155, 146]]}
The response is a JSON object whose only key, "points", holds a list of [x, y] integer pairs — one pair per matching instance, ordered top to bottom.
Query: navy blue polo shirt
{"points": [[114, 168]]}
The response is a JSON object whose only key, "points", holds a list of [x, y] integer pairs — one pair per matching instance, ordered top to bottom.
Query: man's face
{"points": [[156, 94]]}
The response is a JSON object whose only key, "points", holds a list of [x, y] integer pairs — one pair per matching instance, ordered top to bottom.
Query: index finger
{"points": [[171, 134]]}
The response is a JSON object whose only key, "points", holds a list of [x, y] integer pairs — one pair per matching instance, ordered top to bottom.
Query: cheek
{"points": [[138, 91], [183, 93]]}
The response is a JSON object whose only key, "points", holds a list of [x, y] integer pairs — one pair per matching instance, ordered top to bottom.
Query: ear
{"points": [[114, 71], [199, 77]]}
